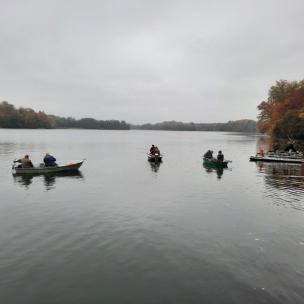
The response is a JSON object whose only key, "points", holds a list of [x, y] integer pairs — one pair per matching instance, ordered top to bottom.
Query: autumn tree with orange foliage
{"points": [[282, 115], [10, 117]]}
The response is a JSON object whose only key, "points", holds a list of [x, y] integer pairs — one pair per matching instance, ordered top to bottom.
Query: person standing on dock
{"points": [[262, 152]]}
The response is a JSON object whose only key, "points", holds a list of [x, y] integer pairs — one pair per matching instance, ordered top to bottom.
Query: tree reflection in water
{"points": [[49, 179], [284, 183]]}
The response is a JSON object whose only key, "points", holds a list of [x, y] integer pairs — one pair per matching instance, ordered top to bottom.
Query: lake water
{"points": [[124, 231]]}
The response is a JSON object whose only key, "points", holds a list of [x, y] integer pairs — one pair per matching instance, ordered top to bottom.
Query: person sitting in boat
{"points": [[290, 147], [152, 150], [156, 151], [208, 154], [220, 157], [49, 160], [25, 162]]}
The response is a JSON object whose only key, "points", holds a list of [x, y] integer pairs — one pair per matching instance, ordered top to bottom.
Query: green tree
{"points": [[290, 125]]}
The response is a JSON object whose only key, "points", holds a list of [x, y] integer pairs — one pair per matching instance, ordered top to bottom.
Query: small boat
{"points": [[155, 157], [280, 157], [212, 162], [69, 167]]}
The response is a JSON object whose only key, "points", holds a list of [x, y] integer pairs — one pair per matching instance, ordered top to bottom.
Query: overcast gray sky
{"points": [[148, 61]]}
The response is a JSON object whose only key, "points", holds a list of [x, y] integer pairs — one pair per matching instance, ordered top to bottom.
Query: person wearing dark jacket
{"points": [[290, 147], [156, 151], [208, 154], [220, 157], [49, 160]]}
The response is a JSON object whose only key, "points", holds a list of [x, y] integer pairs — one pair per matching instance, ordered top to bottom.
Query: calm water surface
{"points": [[124, 231]]}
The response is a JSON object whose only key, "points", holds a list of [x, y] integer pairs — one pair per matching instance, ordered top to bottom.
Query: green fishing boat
{"points": [[212, 162]]}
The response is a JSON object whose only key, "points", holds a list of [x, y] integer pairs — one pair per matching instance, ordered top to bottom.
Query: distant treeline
{"points": [[282, 115], [26, 118], [88, 123], [243, 125]]}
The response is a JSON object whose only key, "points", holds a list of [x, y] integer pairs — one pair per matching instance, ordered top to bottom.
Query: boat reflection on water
{"points": [[155, 166], [219, 171], [49, 179], [284, 183]]}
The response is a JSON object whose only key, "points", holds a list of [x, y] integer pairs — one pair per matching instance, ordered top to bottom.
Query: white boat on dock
{"points": [[281, 157]]}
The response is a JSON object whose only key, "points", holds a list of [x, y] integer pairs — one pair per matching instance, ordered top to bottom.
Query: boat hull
{"points": [[155, 158], [277, 159], [214, 163], [71, 167]]}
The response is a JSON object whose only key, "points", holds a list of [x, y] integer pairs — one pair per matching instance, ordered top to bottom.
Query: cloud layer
{"points": [[148, 61]]}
